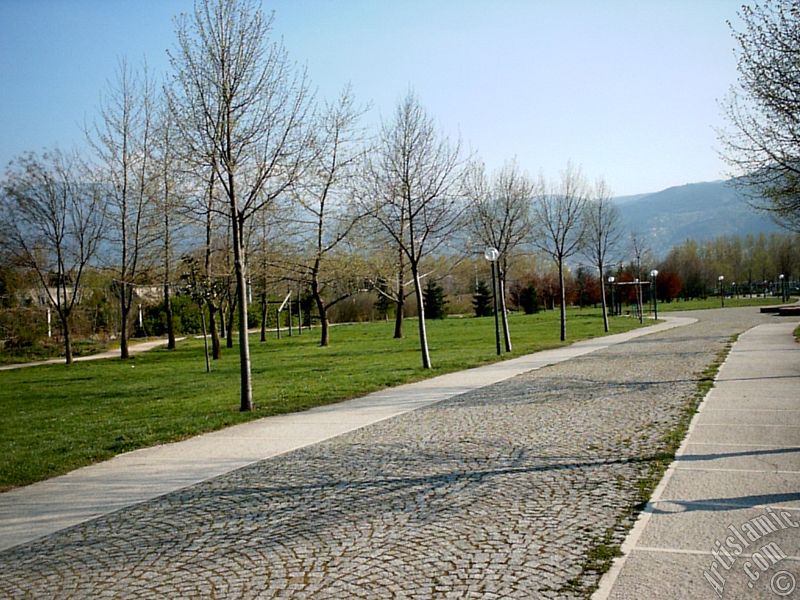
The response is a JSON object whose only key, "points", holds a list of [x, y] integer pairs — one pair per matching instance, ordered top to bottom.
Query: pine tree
{"points": [[529, 299], [482, 300], [435, 302]]}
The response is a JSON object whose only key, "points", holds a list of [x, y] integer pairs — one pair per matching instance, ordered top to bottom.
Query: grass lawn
{"points": [[714, 302], [57, 418]]}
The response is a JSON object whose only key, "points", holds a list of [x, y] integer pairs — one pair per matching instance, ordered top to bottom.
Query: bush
{"points": [[185, 317], [23, 328]]}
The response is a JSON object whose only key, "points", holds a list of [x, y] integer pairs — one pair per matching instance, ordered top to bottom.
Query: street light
{"points": [[492, 254], [654, 274], [720, 279], [611, 281], [783, 287]]}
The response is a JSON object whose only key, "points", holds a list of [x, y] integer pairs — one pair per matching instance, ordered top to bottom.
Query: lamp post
{"points": [[492, 254], [654, 274], [720, 279], [611, 281], [782, 281]]}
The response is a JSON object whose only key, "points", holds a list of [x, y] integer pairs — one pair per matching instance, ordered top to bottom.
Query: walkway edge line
{"points": [[609, 578]]}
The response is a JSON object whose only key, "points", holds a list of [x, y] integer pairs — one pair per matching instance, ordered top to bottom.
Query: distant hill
{"points": [[699, 211]]}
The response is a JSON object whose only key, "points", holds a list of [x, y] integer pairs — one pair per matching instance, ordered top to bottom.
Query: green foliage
{"points": [[10, 284], [434, 300], [482, 300], [185, 316], [57, 418]]}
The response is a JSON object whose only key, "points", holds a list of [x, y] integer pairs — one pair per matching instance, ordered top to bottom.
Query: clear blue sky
{"points": [[627, 89]]}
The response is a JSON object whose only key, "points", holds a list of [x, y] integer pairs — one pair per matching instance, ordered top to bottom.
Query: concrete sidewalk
{"points": [[132, 349], [40, 509], [725, 520]]}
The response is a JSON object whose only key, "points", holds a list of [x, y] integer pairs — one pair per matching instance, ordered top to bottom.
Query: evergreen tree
{"points": [[529, 299], [434, 300], [482, 300]]}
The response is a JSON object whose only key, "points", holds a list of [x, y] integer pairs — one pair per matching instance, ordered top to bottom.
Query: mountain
{"points": [[700, 211]]}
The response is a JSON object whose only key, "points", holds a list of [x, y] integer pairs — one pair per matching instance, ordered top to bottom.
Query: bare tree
{"points": [[237, 94], [763, 108], [123, 139], [414, 181], [168, 201], [325, 213], [557, 214], [499, 216], [52, 222], [603, 230]]}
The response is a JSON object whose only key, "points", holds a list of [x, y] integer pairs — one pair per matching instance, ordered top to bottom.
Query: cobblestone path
{"points": [[498, 493]]}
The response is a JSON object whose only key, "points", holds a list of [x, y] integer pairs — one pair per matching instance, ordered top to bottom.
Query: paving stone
{"points": [[500, 492]]}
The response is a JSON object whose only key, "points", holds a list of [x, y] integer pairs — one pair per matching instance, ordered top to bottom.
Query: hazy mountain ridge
{"points": [[699, 211]]}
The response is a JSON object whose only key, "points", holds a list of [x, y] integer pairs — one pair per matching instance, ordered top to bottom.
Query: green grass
{"points": [[714, 302], [57, 418]]}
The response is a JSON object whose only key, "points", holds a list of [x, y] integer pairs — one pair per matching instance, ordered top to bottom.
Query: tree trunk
{"points": [[167, 269], [401, 298], [563, 298], [603, 299], [639, 301], [212, 309], [264, 309], [125, 310], [504, 311], [398, 317], [170, 319], [229, 322], [423, 334], [324, 336], [205, 337], [67, 338], [324, 339], [216, 350], [246, 390]]}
